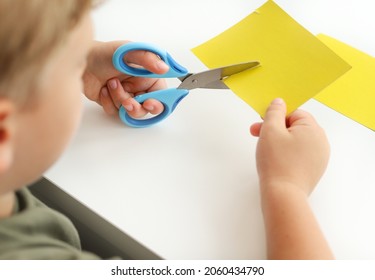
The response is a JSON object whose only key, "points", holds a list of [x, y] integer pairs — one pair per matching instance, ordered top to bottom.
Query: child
{"points": [[43, 63]]}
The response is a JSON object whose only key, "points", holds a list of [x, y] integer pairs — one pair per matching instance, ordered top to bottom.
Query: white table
{"points": [[187, 188]]}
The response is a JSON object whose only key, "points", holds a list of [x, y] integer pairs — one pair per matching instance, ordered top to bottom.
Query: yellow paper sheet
{"points": [[295, 65], [353, 94]]}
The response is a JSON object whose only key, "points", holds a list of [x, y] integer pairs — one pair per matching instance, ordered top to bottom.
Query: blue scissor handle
{"points": [[175, 69], [168, 97]]}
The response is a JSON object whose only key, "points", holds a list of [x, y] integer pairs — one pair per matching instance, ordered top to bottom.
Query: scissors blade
{"points": [[214, 78], [218, 84]]}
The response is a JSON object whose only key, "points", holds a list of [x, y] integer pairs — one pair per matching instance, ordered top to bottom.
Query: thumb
{"points": [[276, 114]]}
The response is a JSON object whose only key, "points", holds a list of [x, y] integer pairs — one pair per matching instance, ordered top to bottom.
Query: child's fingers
{"points": [[148, 60], [139, 84], [158, 85], [117, 92], [107, 102], [153, 106], [134, 109], [276, 114], [300, 117], [255, 129]]}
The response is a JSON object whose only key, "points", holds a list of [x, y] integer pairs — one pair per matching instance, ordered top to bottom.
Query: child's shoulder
{"points": [[35, 231]]}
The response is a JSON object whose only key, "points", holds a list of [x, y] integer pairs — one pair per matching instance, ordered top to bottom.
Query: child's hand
{"points": [[111, 89], [292, 152]]}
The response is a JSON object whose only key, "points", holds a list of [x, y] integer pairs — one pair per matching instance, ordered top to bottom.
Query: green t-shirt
{"points": [[35, 231]]}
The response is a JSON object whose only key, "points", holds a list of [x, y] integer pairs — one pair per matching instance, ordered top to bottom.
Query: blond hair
{"points": [[30, 30]]}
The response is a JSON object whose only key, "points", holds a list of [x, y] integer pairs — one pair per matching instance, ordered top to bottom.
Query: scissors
{"points": [[212, 79]]}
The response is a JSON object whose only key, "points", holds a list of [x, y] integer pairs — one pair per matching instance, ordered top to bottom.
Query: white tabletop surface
{"points": [[187, 188]]}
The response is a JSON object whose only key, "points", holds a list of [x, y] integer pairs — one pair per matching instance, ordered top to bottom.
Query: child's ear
{"points": [[7, 111]]}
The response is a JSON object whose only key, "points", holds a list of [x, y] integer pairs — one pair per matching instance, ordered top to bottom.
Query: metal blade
{"points": [[214, 78], [214, 85]]}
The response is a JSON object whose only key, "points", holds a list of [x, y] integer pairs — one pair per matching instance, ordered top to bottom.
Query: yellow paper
{"points": [[295, 65], [353, 94]]}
